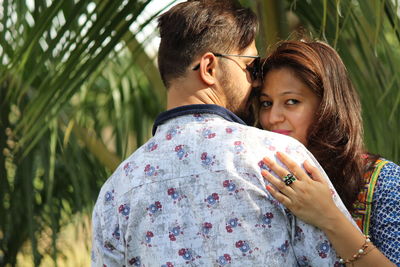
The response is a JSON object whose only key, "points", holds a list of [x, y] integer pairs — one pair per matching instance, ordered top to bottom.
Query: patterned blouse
{"points": [[193, 195], [384, 219]]}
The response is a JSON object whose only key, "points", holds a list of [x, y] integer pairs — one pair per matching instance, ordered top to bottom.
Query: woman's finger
{"points": [[292, 166], [276, 168], [315, 173], [279, 184], [279, 196]]}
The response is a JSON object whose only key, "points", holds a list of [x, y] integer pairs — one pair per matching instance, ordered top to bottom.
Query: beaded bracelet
{"points": [[361, 252]]}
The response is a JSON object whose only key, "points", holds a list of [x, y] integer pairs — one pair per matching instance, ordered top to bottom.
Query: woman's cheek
{"points": [[263, 120]]}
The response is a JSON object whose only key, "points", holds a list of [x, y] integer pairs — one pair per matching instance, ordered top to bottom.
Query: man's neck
{"points": [[184, 95]]}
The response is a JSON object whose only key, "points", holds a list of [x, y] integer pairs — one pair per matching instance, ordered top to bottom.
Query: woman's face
{"points": [[287, 105]]}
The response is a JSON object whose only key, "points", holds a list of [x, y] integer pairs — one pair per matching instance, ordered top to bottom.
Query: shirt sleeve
{"points": [[385, 216], [107, 246]]}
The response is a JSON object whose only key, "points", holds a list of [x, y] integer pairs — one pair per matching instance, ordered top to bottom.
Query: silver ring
{"points": [[289, 179]]}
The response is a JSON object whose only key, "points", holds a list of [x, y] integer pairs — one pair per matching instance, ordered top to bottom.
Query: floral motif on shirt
{"points": [[200, 118], [230, 130], [172, 132], [207, 133], [270, 144], [151, 147], [239, 147], [292, 150], [181, 152], [207, 160], [263, 166], [129, 167], [151, 170], [231, 187], [175, 194], [109, 196], [212, 200], [124, 209], [154, 209], [265, 220], [231, 224], [205, 229], [174, 231], [116, 233], [298, 234], [147, 238], [108, 246], [244, 247], [284, 248], [323, 248], [188, 255], [224, 259], [135, 261], [168, 264]]}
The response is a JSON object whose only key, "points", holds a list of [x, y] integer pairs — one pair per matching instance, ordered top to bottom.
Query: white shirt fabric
{"points": [[193, 195]]}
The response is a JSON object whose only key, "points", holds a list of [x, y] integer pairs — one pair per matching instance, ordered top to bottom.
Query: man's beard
{"points": [[234, 104]]}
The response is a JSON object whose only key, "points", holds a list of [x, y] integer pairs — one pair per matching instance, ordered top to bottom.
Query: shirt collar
{"points": [[195, 109]]}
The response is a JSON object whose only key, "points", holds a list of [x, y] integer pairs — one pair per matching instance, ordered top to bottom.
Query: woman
{"points": [[307, 94]]}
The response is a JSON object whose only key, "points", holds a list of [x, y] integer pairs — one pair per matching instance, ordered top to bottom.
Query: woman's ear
{"points": [[208, 63]]}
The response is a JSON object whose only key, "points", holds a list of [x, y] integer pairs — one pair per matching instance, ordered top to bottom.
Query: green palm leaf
{"points": [[74, 101]]}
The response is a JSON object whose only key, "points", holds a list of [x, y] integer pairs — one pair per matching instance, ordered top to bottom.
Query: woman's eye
{"points": [[292, 102], [266, 104]]}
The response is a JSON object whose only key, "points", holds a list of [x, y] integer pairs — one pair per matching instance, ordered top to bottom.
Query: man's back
{"points": [[193, 195]]}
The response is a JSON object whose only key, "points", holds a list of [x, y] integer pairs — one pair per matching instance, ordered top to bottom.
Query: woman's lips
{"points": [[285, 132]]}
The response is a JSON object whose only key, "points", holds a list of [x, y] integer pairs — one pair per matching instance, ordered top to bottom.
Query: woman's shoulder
{"points": [[389, 170], [389, 177], [385, 217]]}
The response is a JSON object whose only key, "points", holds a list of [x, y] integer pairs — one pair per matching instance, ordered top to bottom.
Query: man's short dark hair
{"points": [[194, 27]]}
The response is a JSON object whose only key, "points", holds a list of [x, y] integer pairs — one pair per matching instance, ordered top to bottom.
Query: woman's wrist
{"points": [[332, 221]]}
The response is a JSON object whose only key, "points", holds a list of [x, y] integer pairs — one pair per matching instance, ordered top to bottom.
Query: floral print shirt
{"points": [[193, 195]]}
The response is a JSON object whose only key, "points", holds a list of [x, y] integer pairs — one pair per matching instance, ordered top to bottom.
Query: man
{"points": [[193, 194]]}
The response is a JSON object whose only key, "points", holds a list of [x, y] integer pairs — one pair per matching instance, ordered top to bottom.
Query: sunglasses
{"points": [[254, 69]]}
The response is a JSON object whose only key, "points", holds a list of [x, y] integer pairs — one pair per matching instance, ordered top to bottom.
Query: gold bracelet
{"points": [[361, 252]]}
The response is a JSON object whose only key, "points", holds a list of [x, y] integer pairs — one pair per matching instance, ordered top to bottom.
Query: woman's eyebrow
{"points": [[283, 93]]}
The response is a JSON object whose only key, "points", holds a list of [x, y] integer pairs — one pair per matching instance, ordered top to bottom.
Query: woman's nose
{"points": [[276, 115]]}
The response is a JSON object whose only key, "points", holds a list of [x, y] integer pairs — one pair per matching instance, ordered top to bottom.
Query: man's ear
{"points": [[208, 64]]}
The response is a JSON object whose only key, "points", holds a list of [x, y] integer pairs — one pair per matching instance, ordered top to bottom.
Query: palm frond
{"points": [[71, 98]]}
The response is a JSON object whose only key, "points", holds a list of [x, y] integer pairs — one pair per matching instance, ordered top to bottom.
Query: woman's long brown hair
{"points": [[336, 136]]}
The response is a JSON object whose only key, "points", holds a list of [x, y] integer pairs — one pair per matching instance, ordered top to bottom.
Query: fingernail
{"points": [[263, 172], [268, 187]]}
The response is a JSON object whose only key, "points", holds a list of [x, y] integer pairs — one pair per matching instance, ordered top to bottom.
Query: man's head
{"points": [[197, 29]]}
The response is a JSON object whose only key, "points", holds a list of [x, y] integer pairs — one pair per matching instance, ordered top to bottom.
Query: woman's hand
{"points": [[308, 198]]}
